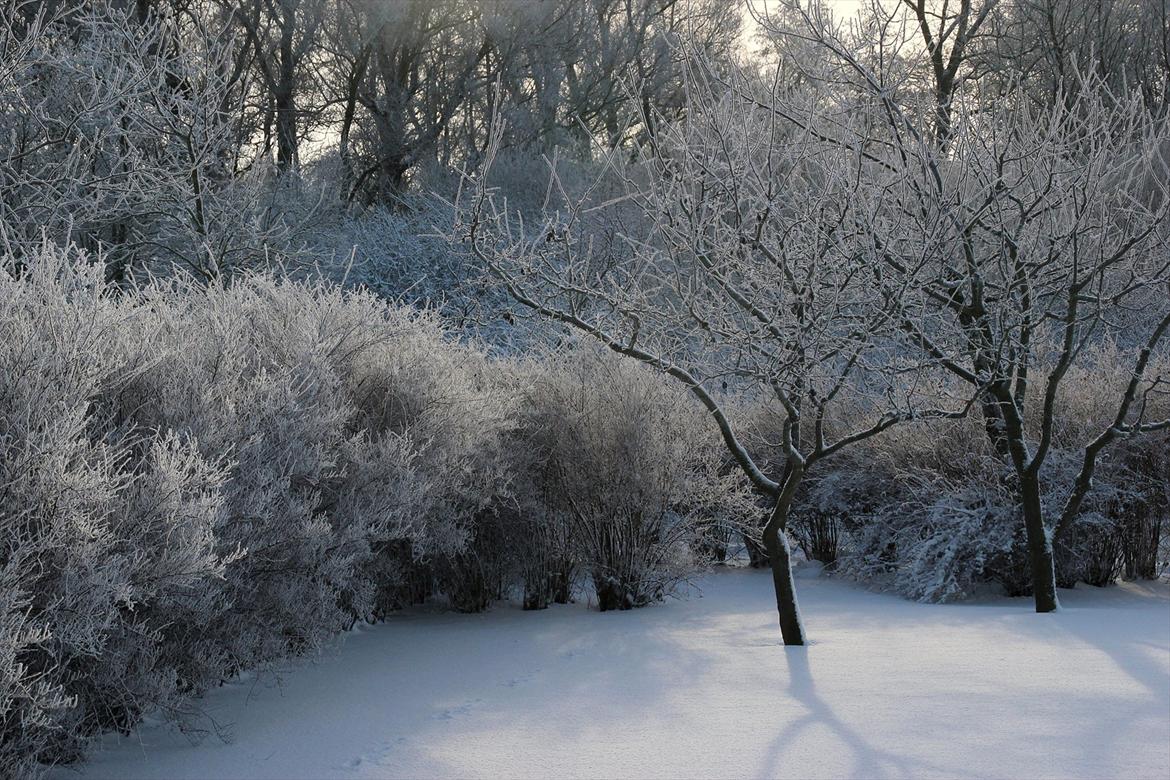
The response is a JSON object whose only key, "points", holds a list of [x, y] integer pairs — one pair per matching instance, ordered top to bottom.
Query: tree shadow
{"points": [[1134, 638], [868, 759]]}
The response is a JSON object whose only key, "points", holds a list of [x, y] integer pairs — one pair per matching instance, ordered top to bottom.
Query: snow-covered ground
{"points": [[702, 688]]}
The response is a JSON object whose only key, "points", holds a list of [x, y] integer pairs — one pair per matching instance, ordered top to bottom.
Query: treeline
{"points": [[215, 135]]}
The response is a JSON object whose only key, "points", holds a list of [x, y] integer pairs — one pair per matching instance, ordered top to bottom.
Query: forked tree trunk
{"points": [[1040, 555], [780, 559]]}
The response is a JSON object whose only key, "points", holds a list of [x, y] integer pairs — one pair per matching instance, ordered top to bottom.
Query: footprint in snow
{"points": [[456, 712], [375, 757]]}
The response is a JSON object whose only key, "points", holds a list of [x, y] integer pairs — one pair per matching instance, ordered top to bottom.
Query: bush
{"points": [[628, 469], [200, 480], [928, 510]]}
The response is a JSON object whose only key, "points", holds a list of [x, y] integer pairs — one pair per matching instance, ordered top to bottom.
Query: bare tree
{"points": [[948, 34], [282, 37], [1045, 44], [914, 46], [116, 140], [1040, 231], [751, 277]]}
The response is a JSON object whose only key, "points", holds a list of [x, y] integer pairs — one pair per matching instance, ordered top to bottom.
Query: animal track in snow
{"points": [[518, 680], [456, 712], [375, 757]]}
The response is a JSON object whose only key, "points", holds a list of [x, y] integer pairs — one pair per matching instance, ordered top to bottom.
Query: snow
{"points": [[702, 688]]}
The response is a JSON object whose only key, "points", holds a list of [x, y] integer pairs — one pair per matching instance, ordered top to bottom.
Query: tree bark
{"points": [[286, 131], [1040, 555], [780, 558]]}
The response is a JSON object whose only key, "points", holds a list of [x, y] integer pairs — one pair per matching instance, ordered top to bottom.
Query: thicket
{"points": [[198, 480], [928, 510]]}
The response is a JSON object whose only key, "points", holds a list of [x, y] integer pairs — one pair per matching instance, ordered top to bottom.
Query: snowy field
{"points": [[702, 688]]}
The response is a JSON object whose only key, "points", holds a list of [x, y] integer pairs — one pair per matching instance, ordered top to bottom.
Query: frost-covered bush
{"points": [[396, 252], [256, 373], [448, 398], [629, 468], [203, 479], [59, 492], [928, 509], [923, 510], [1145, 512], [1123, 528], [106, 532]]}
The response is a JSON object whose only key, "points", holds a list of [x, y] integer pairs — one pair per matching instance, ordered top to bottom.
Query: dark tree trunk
{"points": [[353, 85], [285, 97], [286, 131], [757, 555], [1040, 555], [780, 557], [562, 581], [612, 593]]}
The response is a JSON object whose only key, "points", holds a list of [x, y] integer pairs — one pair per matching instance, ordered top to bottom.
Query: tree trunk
{"points": [[353, 84], [286, 131], [1039, 545], [757, 555], [780, 557]]}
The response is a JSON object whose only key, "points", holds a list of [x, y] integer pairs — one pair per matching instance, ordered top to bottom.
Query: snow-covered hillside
{"points": [[703, 688]]}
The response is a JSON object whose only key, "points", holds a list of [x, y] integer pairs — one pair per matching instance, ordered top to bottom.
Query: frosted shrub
{"points": [[394, 256], [447, 398], [365, 445], [631, 469], [203, 479], [58, 493], [830, 503], [918, 510], [928, 510], [1127, 514], [1145, 514], [1119, 531], [106, 533], [541, 535], [939, 542], [479, 573]]}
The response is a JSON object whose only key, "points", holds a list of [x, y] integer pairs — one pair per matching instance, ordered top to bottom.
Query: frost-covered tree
{"points": [[121, 134], [1040, 231], [748, 277]]}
